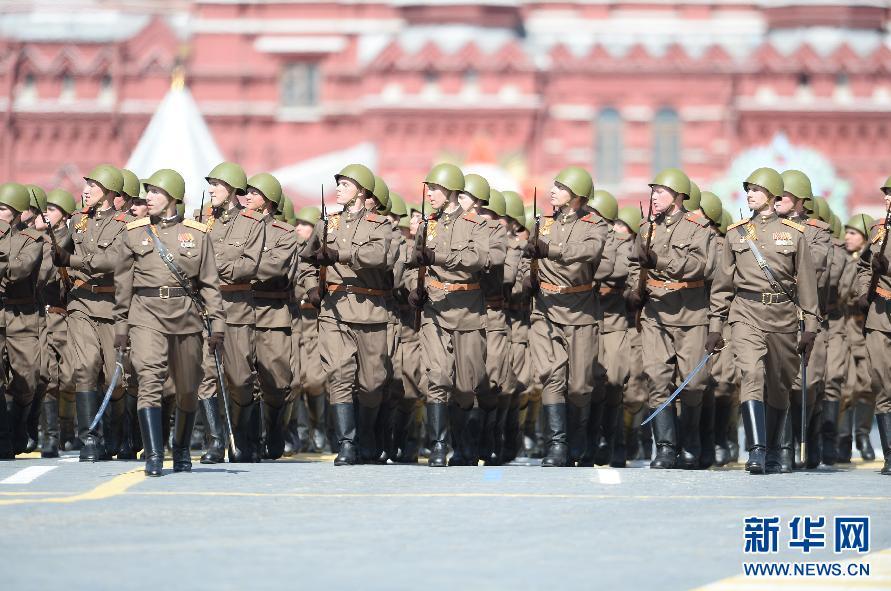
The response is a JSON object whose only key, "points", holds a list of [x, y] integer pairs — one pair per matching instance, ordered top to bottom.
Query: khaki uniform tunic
{"points": [[22, 317], [878, 320]]}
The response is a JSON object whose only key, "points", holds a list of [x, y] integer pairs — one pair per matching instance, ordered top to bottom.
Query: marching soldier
{"points": [[238, 236], [351, 251], [764, 259], [165, 264], [873, 272], [271, 292], [90, 307], [673, 313], [453, 322], [564, 336]]}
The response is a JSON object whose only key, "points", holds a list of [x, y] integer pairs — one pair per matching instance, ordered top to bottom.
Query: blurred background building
{"points": [[515, 89]]}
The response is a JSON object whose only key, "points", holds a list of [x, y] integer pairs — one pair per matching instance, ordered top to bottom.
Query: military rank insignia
{"points": [[546, 228], [751, 233], [782, 238], [186, 240]]}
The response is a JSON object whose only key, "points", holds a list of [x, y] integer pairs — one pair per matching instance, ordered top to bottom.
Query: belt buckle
{"points": [[164, 292], [766, 299]]}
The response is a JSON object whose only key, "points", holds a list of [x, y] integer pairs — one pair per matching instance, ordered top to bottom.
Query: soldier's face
{"points": [[347, 191], [219, 192], [93, 193], [560, 195], [437, 196], [663, 198], [757, 198], [887, 199], [254, 200], [158, 201], [466, 201], [119, 202], [371, 204], [785, 204], [138, 208], [7, 214], [53, 214], [28, 216], [414, 222], [621, 228], [304, 231], [854, 240]]}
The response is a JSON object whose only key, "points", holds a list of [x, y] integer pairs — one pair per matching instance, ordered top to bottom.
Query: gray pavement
{"points": [[310, 525]]}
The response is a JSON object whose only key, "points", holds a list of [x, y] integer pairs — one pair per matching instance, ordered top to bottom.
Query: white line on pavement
{"points": [[69, 460], [28, 475], [608, 476]]}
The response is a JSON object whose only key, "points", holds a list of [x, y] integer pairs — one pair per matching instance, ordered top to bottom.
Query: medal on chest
{"points": [[334, 222], [81, 224], [546, 229], [431, 230], [880, 235], [782, 238], [186, 240]]}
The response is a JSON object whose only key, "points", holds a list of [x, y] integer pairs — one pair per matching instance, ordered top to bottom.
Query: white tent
{"points": [[177, 137], [308, 176]]}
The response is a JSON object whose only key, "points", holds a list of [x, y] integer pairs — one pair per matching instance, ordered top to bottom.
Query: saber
{"points": [[118, 370], [221, 381], [679, 389], [802, 449]]}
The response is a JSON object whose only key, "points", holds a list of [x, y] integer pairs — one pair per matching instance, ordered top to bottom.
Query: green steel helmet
{"points": [[230, 173], [359, 174], [108, 176], [447, 176], [673, 178], [766, 178], [169, 180], [577, 180], [131, 183], [798, 184], [887, 185], [269, 186], [477, 187], [381, 192], [15, 196], [38, 197], [694, 199], [63, 200], [496, 203], [604, 203], [397, 205], [514, 205], [711, 206], [411, 207], [181, 209], [288, 209], [821, 209], [308, 215], [631, 217], [726, 220], [405, 222], [529, 223], [860, 223], [835, 226]]}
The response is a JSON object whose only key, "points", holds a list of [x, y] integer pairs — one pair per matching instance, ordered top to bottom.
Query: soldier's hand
{"points": [[541, 249], [326, 256], [424, 256], [61, 257], [647, 258], [879, 264], [530, 286], [401, 295], [314, 297], [416, 298], [634, 302], [863, 304], [120, 341], [215, 342], [714, 342], [806, 345]]}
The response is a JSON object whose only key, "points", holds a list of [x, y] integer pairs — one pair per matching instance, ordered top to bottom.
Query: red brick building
{"points": [[518, 87]]}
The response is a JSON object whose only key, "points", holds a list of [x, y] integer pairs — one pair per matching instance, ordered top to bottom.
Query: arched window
{"points": [[68, 91], [666, 140], [609, 147]]}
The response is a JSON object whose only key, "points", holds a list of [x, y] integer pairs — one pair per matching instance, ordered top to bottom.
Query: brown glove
{"points": [[424, 256], [60, 257], [326, 257], [647, 258], [879, 264], [530, 286], [314, 297], [416, 298], [634, 302], [120, 341], [215, 342], [714, 342], [806, 345]]}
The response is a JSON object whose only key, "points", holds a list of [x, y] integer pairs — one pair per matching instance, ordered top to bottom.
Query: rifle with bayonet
{"points": [[420, 243], [533, 264], [323, 270], [644, 273], [874, 278], [65, 283]]}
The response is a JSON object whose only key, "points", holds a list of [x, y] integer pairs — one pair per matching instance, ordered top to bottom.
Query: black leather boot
{"points": [[87, 404], [317, 409], [344, 416], [863, 416], [242, 418], [275, 418], [722, 420], [32, 421], [578, 422], [774, 422], [884, 422], [183, 423], [18, 425], [500, 426], [213, 428], [129, 429], [403, 430], [829, 431], [438, 432], [366, 433], [383, 433], [511, 434], [707, 435], [756, 435], [665, 437], [152, 439], [691, 442], [845, 442], [605, 443], [787, 444], [556, 445], [50, 447], [462, 448], [6, 451], [487, 451], [814, 452], [618, 458]]}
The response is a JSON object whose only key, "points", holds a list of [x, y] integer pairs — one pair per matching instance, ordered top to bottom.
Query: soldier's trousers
{"points": [[878, 347], [273, 349], [23, 350], [94, 352], [670, 354], [156, 355], [616, 358], [565, 359], [837, 359], [354, 361], [57, 362], [454, 363], [238, 364], [767, 364], [409, 366], [498, 367], [817, 367], [724, 370], [312, 376], [859, 387], [637, 390]]}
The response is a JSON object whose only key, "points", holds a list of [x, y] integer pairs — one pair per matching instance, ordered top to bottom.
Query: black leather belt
{"points": [[163, 292], [764, 298]]}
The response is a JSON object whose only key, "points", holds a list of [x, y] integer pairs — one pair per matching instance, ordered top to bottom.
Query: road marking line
{"points": [[69, 460], [28, 475], [608, 476], [116, 486]]}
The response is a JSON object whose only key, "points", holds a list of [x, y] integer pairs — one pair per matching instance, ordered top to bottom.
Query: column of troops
{"points": [[468, 328]]}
